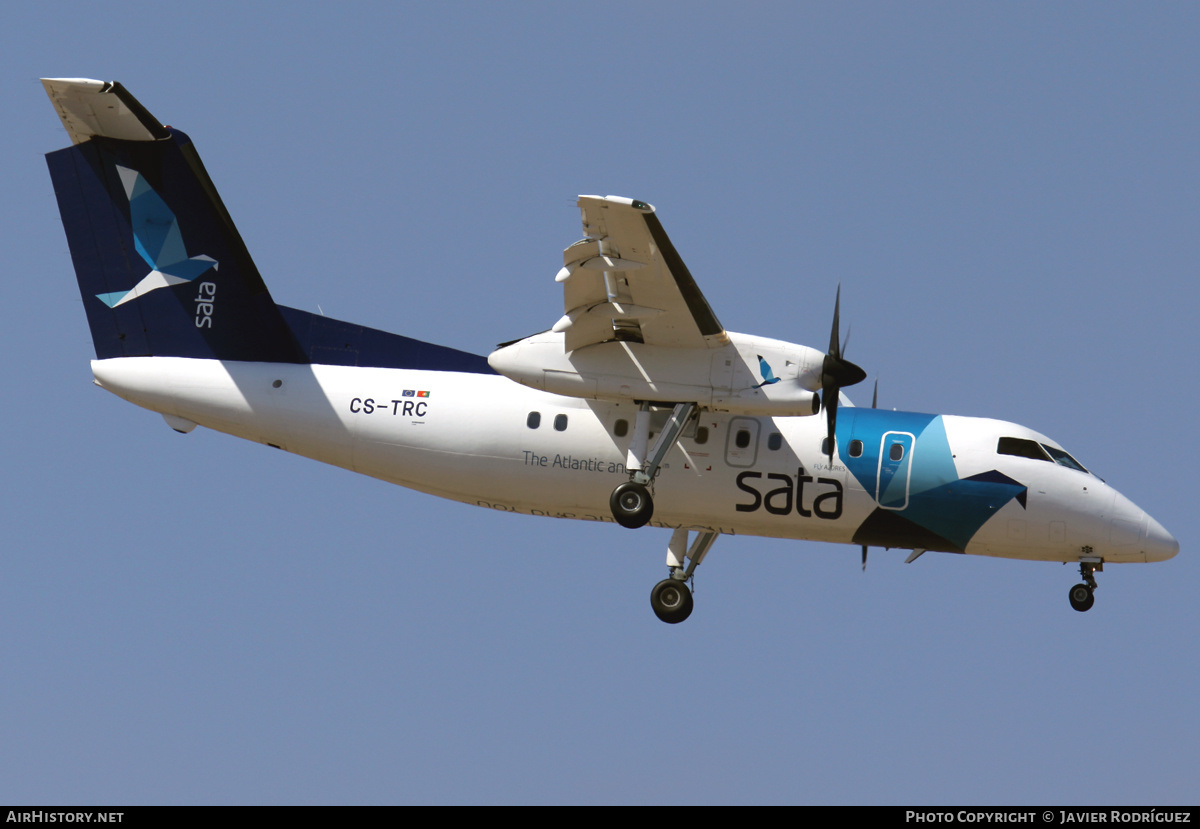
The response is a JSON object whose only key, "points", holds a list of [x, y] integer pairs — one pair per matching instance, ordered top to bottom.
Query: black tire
{"points": [[631, 505], [1081, 597], [671, 600]]}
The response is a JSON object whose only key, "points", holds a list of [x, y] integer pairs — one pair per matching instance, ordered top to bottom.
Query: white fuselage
{"points": [[485, 440]]}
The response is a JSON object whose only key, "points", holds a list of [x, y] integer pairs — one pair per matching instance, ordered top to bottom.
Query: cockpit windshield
{"points": [[1025, 448], [1063, 459]]}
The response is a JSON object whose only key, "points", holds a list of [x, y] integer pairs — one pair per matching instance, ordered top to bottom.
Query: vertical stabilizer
{"points": [[161, 268]]}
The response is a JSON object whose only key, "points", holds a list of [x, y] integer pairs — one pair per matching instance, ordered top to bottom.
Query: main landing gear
{"points": [[632, 503], [1081, 595], [671, 599]]}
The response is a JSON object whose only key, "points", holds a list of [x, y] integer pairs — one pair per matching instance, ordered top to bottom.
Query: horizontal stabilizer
{"points": [[89, 108]]}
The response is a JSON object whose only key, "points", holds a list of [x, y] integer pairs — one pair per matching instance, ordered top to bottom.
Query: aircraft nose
{"points": [[1132, 532], [1159, 545]]}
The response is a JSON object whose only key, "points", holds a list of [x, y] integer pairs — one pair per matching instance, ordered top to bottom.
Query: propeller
{"points": [[836, 373]]}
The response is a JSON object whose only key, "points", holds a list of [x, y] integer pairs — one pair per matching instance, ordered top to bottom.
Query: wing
{"points": [[625, 281]]}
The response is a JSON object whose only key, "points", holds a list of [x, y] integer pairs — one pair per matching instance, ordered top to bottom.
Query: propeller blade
{"points": [[834, 344], [836, 373], [875, 395], [830, 398], [864, 549]]}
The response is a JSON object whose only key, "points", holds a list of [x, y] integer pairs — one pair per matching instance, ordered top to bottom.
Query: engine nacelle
{"points": [[750, 376], [797, 402]]}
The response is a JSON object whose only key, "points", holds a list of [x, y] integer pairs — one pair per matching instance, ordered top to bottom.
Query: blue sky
{"points": [[1007, 194]]}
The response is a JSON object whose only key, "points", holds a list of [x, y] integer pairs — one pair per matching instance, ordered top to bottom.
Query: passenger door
{"points": [[895, 465]]}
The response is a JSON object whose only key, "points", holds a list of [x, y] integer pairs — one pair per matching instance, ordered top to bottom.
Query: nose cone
{"points": [[504, 358], [1135, 536], [1159, 545]]}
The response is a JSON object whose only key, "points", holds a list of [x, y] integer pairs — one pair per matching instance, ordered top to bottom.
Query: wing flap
{"points": [[626, 281]]}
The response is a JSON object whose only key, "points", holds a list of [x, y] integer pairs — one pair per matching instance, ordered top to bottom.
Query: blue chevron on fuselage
{"points": [[921, 500]]}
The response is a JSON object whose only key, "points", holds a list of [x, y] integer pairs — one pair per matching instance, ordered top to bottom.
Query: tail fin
{"points": [[161, 267]]}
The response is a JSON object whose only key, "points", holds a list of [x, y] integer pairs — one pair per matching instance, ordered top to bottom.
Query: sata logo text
{"points": [[206, 299], [789, 493]]}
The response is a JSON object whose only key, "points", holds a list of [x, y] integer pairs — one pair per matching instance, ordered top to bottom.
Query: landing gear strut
{"points": [[631, 503], [1081, 595], [671, 599]]}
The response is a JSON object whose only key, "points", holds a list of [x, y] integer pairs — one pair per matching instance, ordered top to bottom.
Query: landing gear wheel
{"points": [[631, 505], [1082, 597], [671, 600]]}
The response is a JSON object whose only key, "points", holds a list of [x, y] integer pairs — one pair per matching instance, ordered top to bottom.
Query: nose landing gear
{"points": [[1081, 595]]}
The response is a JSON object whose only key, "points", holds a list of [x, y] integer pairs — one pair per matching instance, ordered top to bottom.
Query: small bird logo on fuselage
{"points": [[767, 375]]}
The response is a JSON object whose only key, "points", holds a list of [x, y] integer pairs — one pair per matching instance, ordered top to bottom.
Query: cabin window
{"points": [[534, 420], [560, 423], [621, 428], [701, 435], [742, 439], [774, 441], [825, 447], [856, 448], [1022, 448], [896, 452]]}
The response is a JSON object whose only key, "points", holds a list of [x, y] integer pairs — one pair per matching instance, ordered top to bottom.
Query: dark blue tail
{"points": [[161, 267], [163, 271]]}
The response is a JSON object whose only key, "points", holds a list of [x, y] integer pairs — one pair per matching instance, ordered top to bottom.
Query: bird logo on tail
{"points": [[158, 241]]}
